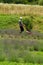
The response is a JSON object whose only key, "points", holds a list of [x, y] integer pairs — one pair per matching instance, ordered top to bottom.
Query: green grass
{"points": [[8, 21], [11, 21], [20, 44], [20, 49], [14, 63]]}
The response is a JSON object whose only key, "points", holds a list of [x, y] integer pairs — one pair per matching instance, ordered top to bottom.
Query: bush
{"points": [[40, 2], [28, 24]]}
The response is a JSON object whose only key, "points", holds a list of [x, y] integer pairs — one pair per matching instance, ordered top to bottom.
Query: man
{"points": [[21, 25]]}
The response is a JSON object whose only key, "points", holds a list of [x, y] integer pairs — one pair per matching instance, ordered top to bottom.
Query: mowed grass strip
{"points": [[21, 9]]}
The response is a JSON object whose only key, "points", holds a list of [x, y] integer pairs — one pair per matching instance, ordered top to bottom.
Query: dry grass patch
{"points": [[21, 9]]}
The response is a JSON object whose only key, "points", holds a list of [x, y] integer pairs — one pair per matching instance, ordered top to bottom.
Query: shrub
{"points": [[40, 2], [28, 24]]}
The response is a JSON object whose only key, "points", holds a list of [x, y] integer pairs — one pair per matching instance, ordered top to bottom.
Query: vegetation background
{"points": [[40, 2], [16, 48]]}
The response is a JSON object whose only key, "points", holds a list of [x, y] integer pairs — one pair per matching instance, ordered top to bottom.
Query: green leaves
{"points": [[40, 2], [28, 23]]}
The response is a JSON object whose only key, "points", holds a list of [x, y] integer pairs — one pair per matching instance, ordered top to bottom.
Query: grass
{"points": [[21, 9], [8, 21], [11, 22], [30, 45], [16, 48], [21, 48], [22, 51], [14, 63]]}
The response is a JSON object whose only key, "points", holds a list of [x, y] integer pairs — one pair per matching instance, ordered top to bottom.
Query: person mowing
{"points": [[21, 25], [28, 25]]}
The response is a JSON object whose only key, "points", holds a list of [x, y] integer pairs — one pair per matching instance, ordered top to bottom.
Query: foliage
{"points": [[7, 1], [23, 1], [40, 2], [8, 21], [11, 22], [28, 23], [19, 51], [14, 63]]}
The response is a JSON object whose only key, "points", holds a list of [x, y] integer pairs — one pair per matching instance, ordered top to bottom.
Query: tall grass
{"points": [[21, 9]]}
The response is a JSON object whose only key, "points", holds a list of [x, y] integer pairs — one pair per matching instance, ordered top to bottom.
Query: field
{"points": [[21, 9], [11, 21], [21, 48]]}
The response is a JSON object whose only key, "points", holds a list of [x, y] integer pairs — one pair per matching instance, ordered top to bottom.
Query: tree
{"points": [[1, 1], [8, 1], [21, 1], [40, 2]]}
